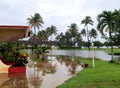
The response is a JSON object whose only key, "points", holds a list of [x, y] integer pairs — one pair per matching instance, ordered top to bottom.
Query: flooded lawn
{"points": [[50, 73], [44, 74]]}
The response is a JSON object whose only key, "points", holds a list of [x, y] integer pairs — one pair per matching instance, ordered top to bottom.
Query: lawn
{"points": [[104, 75]]}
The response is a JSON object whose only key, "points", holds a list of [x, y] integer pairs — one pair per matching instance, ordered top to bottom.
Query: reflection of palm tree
{"points": [[71, 64], [46, 67], [35, 81], [15, 83]]}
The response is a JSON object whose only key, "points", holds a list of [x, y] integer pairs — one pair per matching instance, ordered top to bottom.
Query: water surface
{"points": [[83, 53], [44, 74]]}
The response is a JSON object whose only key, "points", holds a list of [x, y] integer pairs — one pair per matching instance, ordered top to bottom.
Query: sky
{"points": [[60, 13]]}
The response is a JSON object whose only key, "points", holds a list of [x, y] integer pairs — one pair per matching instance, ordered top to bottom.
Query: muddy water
{"points": [[50, 73], [45, 74]]}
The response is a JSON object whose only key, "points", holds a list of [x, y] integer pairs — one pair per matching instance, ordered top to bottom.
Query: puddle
{"points": [[45, 74]]}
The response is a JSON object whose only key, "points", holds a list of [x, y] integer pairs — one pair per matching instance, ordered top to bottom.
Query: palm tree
{"points": [[35, 21], [87, 21], [106, 23], [52, 30], [73, 30], [83, 32], [93, 34], [42, 35], [79, 39]]}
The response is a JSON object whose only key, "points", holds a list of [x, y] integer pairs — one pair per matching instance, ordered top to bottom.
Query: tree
{"points": [[35, 21], [87, 21], [106, 23], [51, 30], [73, 30], [83, 32], [93, 34], [42, 35], [116, 37], [97, 44]]}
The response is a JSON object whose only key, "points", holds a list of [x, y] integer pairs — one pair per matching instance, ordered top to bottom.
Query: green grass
{"points": [[116, 51], [104, 75]]}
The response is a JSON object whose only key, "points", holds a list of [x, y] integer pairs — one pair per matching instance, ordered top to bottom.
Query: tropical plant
{"points": [[35, 21], [87, 21], [106, 23], [52, 30], [73, 30], [83, 32], [93, 34], [42, 35], [116, 37], [98, 44], [41, 52], [11, 54]]}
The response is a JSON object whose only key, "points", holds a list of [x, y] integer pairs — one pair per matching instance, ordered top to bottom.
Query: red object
{"points": [[14, 27], [85, 65], [17, 70], [17, 75]]}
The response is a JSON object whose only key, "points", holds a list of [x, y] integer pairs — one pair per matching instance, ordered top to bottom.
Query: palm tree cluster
{"points": [[108, 25], [87, 32], [44, 35], [72, 36]]}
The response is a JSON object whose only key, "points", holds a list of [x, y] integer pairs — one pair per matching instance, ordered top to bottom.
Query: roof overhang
{"points": [[13, 33]]}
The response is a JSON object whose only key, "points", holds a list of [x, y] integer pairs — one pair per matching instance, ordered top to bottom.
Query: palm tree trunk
{"points": [[88, 38], [111, 47], [112, 53]]}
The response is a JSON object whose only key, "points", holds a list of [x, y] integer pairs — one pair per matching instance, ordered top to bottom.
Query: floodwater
{"points": [[84, 53], [50, 73], [45, 74]]}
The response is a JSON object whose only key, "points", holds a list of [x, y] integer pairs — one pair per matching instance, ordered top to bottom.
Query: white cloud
{"points": [[60, 13]]}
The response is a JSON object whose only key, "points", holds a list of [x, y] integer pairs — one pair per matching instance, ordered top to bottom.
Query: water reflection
{"points": [[69, 63], [52, 72], [43, 74], [13, 81]]}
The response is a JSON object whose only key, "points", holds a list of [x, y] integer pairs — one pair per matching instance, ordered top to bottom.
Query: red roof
{"points": [[14, 27]]}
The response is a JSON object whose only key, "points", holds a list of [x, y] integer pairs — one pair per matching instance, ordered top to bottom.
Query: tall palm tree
{"points": [[35, 21], [87, 21], [106, 23]]}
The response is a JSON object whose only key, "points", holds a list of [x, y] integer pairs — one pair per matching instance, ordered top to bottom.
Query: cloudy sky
{"points": [[60, 13]]}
